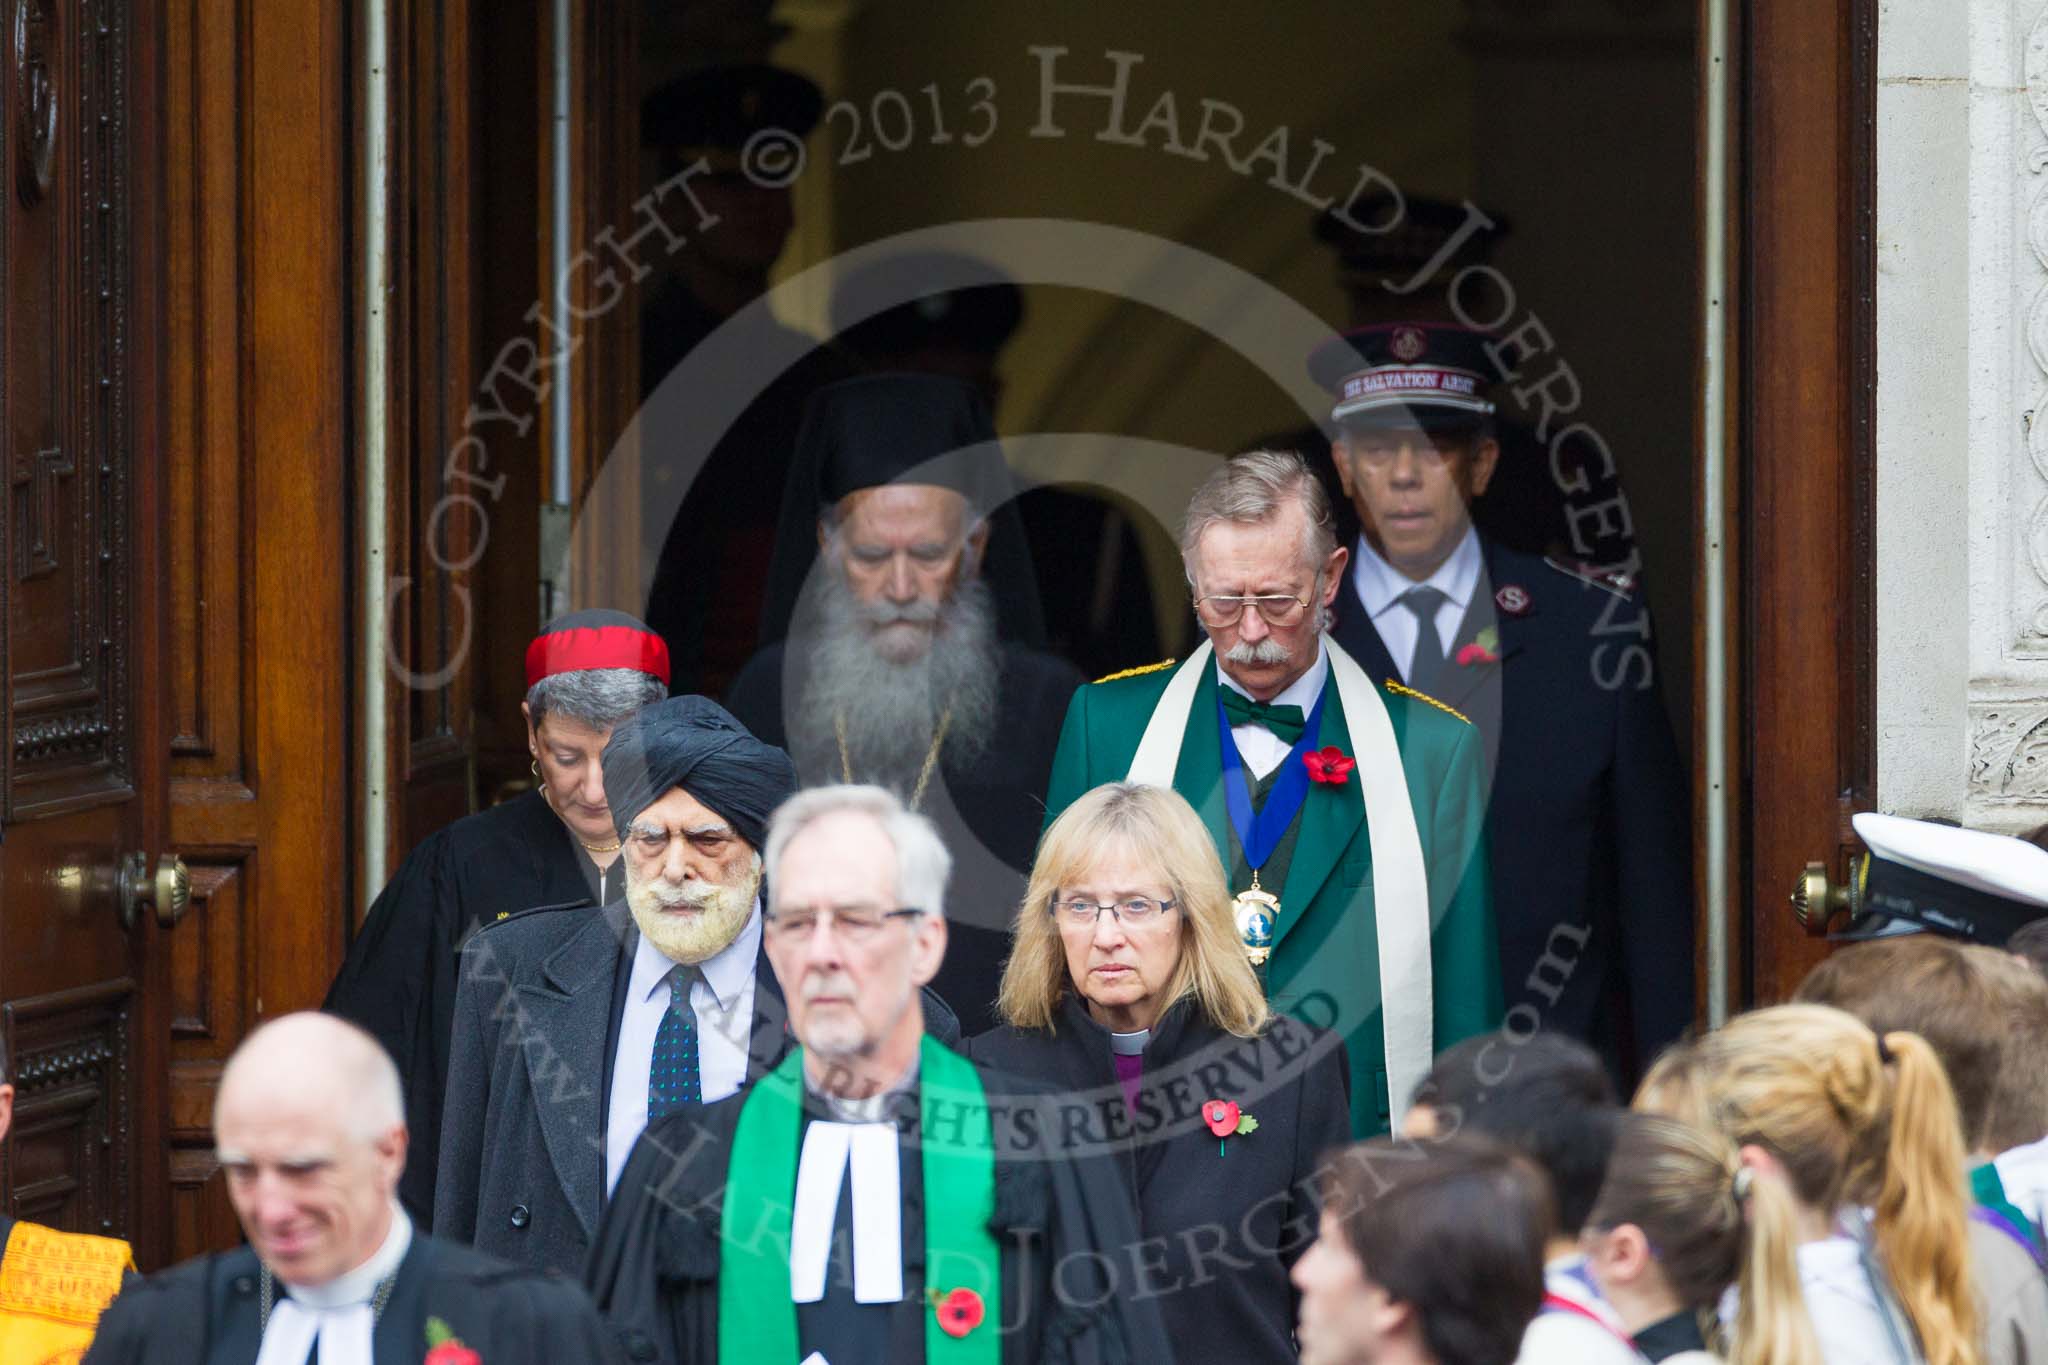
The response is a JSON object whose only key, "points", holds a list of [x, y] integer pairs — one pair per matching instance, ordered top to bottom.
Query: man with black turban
{"points": [[909, 663], [573, 1030]]}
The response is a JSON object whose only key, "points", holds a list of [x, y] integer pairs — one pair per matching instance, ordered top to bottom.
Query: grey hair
{"points": [[1252, 488], [599, 697], [922, 862]]}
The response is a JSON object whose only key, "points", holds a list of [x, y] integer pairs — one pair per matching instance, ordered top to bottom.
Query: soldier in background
{"points": [[713, 569]]}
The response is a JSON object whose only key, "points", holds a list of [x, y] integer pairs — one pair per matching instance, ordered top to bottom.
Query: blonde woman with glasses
{"points": [[1128, 989]]}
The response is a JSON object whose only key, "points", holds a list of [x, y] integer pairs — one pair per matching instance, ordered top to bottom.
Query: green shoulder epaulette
{"points": [[1134, 672], [1393, 686]]}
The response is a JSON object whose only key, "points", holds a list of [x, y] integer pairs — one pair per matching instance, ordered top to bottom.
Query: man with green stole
{"points": [[1350, 815], [877, 1197]]}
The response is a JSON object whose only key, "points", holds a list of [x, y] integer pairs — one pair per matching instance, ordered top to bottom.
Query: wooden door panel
{"points": [[1809, 344], [256, 517], [77, 585], [72, 1158]]}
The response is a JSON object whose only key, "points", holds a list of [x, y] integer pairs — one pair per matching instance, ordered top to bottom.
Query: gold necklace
{"points": [[924, 773]]}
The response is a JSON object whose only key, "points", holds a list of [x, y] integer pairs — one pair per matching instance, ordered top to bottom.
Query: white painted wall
{"points": [[1962, 575]]}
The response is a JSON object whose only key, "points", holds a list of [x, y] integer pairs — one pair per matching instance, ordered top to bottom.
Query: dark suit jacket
{"points": [[1588, 823], [400, 977], [522, 1160], [1221, 1223], [207, 1312]]}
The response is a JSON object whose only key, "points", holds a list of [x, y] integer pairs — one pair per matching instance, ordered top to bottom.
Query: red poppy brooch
{"points": [[1484, 649], [1329, 764], [1226, 1120], [960, 1311], [445, 1348]]}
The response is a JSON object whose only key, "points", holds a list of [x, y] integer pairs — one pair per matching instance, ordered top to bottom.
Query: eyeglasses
{"points": [[1279, 609], [648, 842], [1132, 911], [855, 923]]}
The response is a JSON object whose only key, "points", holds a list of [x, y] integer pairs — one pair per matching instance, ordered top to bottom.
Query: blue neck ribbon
{"points": [[1259, 834]]}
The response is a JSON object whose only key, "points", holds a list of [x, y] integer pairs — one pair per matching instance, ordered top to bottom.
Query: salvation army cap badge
{"points": [[1408, 344]]}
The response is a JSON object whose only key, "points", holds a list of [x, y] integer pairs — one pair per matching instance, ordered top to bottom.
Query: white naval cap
{"points": [[1965, 883]]}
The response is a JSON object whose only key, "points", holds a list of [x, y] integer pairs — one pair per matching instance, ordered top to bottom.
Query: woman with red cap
{"points": [[585, 672]]}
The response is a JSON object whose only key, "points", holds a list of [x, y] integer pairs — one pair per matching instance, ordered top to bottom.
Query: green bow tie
{"points": [[1285, 722]]}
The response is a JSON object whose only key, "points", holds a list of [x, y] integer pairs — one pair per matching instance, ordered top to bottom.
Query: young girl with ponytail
{"points": [[1859, 1132], [1680, 1219]]}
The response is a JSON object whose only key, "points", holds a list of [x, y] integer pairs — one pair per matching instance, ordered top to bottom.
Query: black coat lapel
{"points": [[567, 1019], [770, 1040], [235, 1315], [402, 1327]]}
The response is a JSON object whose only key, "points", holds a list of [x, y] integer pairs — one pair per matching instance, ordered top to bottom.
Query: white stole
{"points": [[1400, 875]]}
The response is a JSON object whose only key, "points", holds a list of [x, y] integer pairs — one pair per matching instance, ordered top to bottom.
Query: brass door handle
{"points": [[169, 889], [1817, 900]]}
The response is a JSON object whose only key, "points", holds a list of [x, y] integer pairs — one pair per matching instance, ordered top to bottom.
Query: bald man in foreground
{"points": [[310, 1128]]}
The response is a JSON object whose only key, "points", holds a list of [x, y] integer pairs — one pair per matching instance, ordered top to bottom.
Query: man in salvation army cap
{"points": [[1552, 659]]}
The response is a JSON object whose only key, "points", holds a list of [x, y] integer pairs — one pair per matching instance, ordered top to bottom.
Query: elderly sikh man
{"points": [[909, 662], [1349, 814], [574, 1029], [310, 1126], [878, 1198], [53, 1285]]}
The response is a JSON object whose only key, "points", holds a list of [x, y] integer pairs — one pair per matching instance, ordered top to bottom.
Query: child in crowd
{"points": [[1986, 1017], [1549, 1098], [1860, 1131], [1680, 1219], [1425, 1256]]}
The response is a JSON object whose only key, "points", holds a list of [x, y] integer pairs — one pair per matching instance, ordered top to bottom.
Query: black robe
{"points": [[988, 811], [400, 975], [1061, 1216], [1223, 1228], [207, 1312]]}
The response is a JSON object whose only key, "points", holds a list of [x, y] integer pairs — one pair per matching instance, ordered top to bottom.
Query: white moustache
{"points": [[1266, 651], [693, 893]]}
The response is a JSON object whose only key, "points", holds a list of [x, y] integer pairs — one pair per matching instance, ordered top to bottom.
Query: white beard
{"points": [[891, 708], [722, 912]]}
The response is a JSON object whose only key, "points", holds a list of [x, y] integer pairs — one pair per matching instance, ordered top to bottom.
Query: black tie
{"points": [[1428, 665]]}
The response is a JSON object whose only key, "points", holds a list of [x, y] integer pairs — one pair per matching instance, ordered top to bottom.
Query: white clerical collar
{"points": [[1380, 584], [1302, 692], [726, 971], [1129, 1044], [876, 1108], [360, 1285]]}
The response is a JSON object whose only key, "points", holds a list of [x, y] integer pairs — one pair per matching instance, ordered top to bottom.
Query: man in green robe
{"points": [[1360, 807]]}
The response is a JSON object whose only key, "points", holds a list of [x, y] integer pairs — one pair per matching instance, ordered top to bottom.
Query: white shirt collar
{"points": [[1380, 584], [1302, 692], [726, 971], [360, 1285]]}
